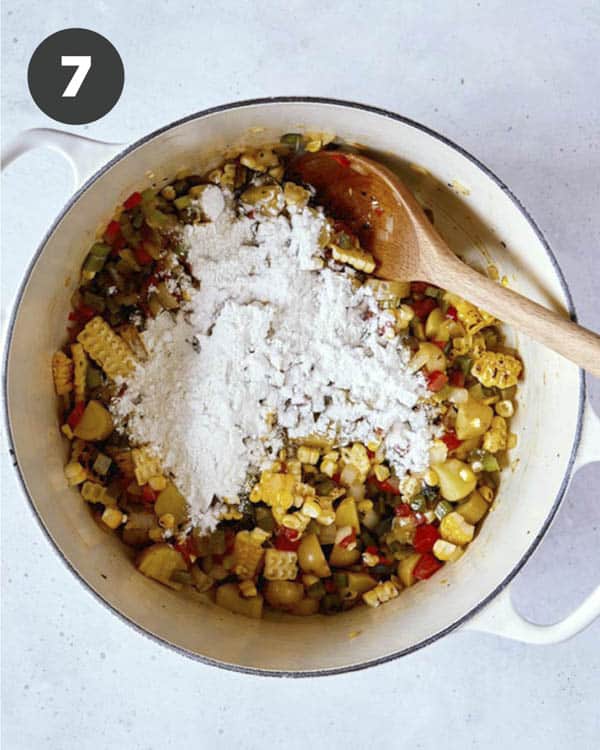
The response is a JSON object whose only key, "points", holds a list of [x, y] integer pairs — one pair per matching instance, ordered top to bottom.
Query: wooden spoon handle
{"points": [[567, 338]]}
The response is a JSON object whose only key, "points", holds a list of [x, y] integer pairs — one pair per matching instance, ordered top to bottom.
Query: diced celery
{"points": [[293, 140], [182, 202], [100, 250], [93, 263], [94, 301], [93, 377], [489, 462], [102, 464], [418, 503], [442, 509], [340, 579], [316, 591]]}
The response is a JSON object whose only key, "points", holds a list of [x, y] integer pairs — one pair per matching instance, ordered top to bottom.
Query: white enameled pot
{"points": [[481, 219]]}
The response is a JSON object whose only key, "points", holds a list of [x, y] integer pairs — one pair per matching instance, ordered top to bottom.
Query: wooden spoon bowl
{"points": [[376, 206]]}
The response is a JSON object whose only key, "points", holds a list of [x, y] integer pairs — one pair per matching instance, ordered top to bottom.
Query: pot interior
{"points": [[479, 220]]}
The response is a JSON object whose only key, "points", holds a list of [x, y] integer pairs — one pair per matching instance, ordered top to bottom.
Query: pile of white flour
{"points": [[271, 343]]}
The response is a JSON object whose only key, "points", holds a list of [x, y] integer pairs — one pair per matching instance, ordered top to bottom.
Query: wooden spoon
{"points": [[391, 225]]}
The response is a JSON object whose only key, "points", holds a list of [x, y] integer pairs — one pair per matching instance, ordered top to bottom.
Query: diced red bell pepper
{"points": [[342, 160], [134, 200], [113, 230], [142, 256], [418, 287], [423, 307], [452, 313], [82, 314], [441, 344], [457, 378], [436, 380], [74, 417], [452, 442], [336, 477], [388, 485], [148, 494], [402, 510], [425, 538], [287, 539], [229, 540], [347, 540], [186, 549], [372, 550], [426, 566], [330, 586]]}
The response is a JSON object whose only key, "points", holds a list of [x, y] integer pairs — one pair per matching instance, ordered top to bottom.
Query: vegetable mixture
{"points": [[325, 527]]}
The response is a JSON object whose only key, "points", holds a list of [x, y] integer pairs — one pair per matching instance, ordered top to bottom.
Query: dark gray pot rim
{"points": [[557, 500]]}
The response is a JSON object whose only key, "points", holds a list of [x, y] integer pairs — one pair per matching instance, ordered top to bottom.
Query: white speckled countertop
{"points": [[516, 84]]}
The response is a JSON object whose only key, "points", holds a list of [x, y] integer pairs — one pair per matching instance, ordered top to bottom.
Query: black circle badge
{"points": [[75, 76]]}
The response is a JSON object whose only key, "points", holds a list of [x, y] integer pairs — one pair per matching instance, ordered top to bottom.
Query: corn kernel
{"points": [[314, 146], [505, 408], [67, 431], [511, 441], [438, 452], [308, 455], [329, 467], [381, 472], [75, 473], [431, 478], [158, 483], [409, 487], [364, 506], [311, 508], [113, 517], [326, 517], [167, 521], [454, 528], [258, 535], [446, 551], [369, 559], [247, 589], [382, 593]]}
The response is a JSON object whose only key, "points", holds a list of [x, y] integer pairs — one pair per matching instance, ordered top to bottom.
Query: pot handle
{"points": [[84, 154], [501, 618]]}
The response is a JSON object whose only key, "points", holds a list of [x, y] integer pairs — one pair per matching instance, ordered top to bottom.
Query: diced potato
{"points": [[433, 325], [430, 356], [473, 419], [95, 424], [457, 479], [170, 500], [474, 508], [347, 515], [454, 528], [135, 531], [327, 534], [446, 551], [311, 557], [341, 557], [160, 561], [407, 567], [202, 582], [358, 583], [283, 594], [229, 597], [305, 607]]}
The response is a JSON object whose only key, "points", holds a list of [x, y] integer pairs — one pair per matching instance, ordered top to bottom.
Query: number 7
{"points": [[83, 63]]}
